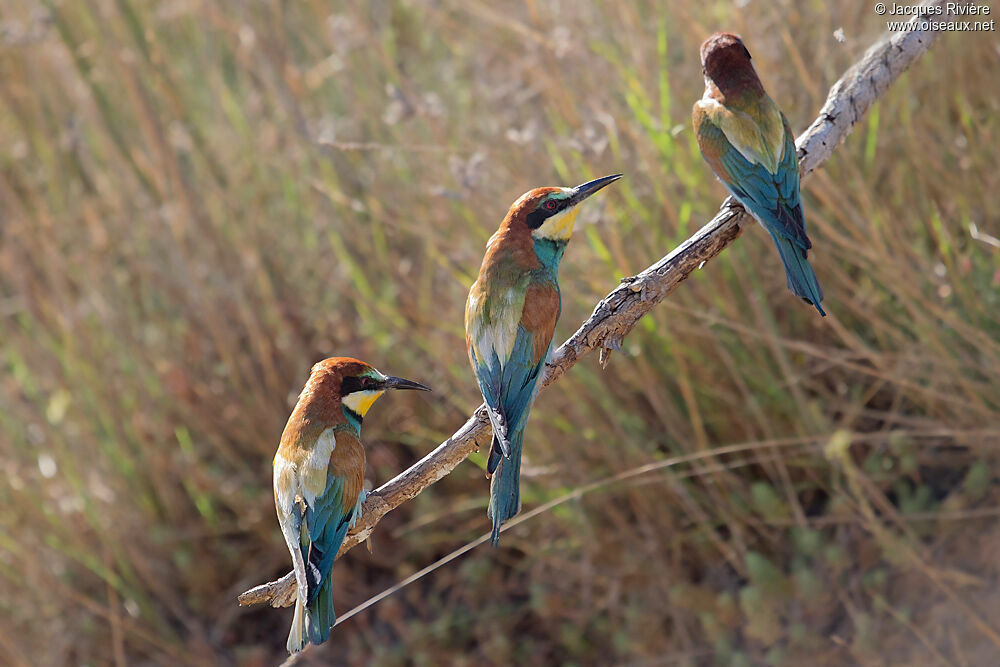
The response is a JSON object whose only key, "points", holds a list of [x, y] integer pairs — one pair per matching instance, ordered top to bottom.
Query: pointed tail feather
{"points": [[799, 273], [505, 488], [294, 533], [319, 614], [314, 615], [312, 623], [297, 634]]}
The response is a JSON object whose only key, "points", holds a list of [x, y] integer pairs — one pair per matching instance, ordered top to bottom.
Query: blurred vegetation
{"points": [[201, 199]]}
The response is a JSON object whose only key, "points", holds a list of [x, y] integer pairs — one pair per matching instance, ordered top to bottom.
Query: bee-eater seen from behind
{"points": [[748, 143], [510, 318], [319, 474]]}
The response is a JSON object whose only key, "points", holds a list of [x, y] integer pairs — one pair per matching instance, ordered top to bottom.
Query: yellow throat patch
{"points": [[559, 227], [362, 401]]}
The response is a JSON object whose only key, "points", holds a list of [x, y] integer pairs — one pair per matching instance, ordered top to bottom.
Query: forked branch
{"points": [[616, 315]]}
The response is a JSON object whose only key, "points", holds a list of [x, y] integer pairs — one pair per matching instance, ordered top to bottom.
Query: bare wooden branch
{"points": [[616, 315]]}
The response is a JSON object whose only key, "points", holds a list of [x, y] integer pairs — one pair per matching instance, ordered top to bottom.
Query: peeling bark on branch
{"points": [[616, 315]]}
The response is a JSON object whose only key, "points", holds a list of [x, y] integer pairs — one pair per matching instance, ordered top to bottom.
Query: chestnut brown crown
{"points": [[722, 53]]}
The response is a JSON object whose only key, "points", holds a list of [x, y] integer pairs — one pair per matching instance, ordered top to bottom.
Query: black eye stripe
{"points": [[542, 212], [537, 217], [349, 385]]}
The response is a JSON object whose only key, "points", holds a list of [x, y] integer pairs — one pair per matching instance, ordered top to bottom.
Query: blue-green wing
{"points": [[773, 199], [489, 377], [518, 385], [508, 386], [326, 525]]}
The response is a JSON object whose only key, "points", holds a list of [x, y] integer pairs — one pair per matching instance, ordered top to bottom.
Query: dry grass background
{"points": [[200, 199]]}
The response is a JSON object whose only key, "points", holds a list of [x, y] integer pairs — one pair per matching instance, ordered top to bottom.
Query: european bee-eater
{"points": [[748, 143], [509, 321], [319, 474]]}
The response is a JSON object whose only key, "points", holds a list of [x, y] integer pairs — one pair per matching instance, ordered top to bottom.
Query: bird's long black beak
{"points": [[581, 192], [402, 383]]}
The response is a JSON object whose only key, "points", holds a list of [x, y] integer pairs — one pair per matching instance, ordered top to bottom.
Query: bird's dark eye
{"points": [[550, 205], [366, 383]]}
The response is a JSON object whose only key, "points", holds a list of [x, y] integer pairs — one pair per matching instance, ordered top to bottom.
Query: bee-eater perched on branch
{"points": [[748, 143], [510, 318], [319, 474]]}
